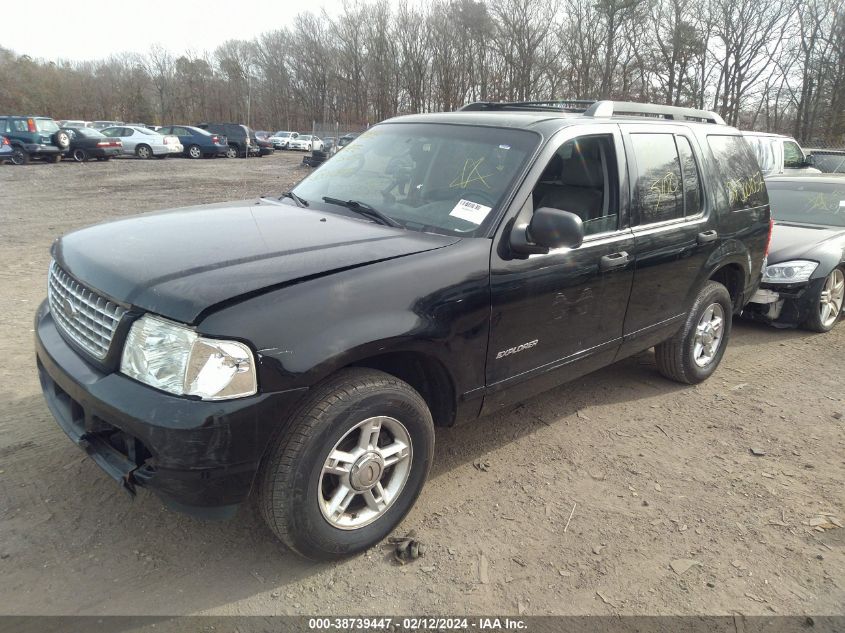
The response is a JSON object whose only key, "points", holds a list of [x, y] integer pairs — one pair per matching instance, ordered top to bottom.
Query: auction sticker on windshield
{"points": [[470, 211]]}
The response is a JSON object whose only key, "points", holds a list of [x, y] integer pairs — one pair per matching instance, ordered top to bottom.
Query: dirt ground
{"points": [[668, 511]]}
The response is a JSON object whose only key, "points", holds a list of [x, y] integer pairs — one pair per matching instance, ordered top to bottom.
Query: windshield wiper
{"points": [[300, 202], [364, 209]]}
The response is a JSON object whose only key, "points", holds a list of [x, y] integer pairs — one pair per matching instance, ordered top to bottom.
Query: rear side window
{"points": [[19, 125], [739, 172], [692, 181], [658, 189]]}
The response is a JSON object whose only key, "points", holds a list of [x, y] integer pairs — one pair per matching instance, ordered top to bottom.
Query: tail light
{"points": [[30, 124], [215, 139], [5, 141], [769, 237]]}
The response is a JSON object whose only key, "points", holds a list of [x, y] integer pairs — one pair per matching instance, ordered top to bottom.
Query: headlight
{"points": [[793, 272], [175, 359]]}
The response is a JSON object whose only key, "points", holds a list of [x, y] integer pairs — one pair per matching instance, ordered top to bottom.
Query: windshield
{"points": [[46, 125], [764, 149], [428, 177], [808, 203]]}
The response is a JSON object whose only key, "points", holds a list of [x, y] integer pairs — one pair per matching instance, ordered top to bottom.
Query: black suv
{"points": [[238, 136], [34, 137], [439, 268]]}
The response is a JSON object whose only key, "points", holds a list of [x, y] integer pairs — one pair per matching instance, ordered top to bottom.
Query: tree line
{"points": [[776, 65]]}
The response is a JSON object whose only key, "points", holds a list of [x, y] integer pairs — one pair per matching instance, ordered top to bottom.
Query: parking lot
{"points": [[620, 493]]}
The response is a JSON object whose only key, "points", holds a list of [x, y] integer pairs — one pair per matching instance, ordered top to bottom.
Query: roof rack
{"points": [[589, 107]]}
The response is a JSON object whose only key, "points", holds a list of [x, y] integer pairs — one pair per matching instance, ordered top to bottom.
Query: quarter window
{"points": [[793, 157], [742, 180], [659, 185]]}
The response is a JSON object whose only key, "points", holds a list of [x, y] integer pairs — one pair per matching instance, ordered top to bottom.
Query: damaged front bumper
{"points": [[783, 305], [200, 457]]}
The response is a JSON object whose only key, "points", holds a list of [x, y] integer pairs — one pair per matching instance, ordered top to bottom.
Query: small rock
{"points": [[836, 416], [757, 452], [482, 466], [767, 475], [657, 487], [683, 528], [597, 549], [820, 557], [682, 565], [428, 569], [483, 570], [564, 573], [711, 584], [275, 594], [755, 597], [521, 607]]}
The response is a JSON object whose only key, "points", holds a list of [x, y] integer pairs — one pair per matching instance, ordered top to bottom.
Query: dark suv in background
{"points": [[34, 137], [238, 137], [440, 268]]}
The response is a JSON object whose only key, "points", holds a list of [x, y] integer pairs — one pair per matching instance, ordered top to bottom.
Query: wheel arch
{"points": [[732, 276]]}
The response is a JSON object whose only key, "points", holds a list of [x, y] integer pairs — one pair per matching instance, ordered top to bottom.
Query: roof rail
{"points": [[564, 105], [593, 108], [673, 113]]}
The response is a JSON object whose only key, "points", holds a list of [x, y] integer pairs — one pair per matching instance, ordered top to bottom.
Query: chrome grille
{"points": [[87, 318]]}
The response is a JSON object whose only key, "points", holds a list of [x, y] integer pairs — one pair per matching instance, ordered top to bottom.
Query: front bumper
{"points": [[168, 150], [784, 305], [200, 457]]}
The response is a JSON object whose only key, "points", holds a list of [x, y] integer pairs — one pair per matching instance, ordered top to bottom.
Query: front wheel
{"points": [[194, 151], [144, 152], [232, 152], [80, 155], [19, 156], [827, 304], [693, 354], [349, 465]]}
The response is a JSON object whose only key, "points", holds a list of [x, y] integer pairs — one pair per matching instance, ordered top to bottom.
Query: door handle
{"points": [[707, 236], [615, 260]]}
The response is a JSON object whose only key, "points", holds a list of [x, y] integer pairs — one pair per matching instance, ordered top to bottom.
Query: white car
{"points": [[282, 139], [143, 142], [306, 142], [779, 154]]}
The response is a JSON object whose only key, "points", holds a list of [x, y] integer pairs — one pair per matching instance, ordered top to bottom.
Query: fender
{"points": [[304, 332]]}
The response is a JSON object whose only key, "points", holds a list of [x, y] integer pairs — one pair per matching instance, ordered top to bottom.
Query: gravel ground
{"points": [[668, 511]]}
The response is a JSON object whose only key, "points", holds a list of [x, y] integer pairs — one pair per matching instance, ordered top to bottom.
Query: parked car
{"points": [[74, 124], [101, 125], [261, 134], [237, 136], [34, 137], [282, 139], [345, 140], [196, 141], [306, 142], [87, 143], [145, 143], [329, 143], [264, 147], [5, 149], [779, 154], [829, 161], [448, 266], [804, 281]]}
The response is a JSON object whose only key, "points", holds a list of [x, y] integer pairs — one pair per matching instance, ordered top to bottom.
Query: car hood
{"points": [[796, 241], [181, 263]]}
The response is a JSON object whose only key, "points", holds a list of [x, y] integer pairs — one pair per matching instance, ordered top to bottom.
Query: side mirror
{"points": [[810, 160], [549, 228]]}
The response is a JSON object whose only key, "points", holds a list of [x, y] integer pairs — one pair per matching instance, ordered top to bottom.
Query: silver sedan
{"points": [[143, 142]]}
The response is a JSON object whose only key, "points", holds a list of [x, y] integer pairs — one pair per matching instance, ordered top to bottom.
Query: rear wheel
{"points": [[144, 151], [194, 151], [80, 155], [19, 156], [828, 303], [695, 352], [349, 465]]}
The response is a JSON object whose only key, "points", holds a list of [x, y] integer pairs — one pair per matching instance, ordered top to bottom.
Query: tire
{"points": [[62, 139], [144, 151], [194, 151], [233, 151], [80, 155], [19, 156], [54, 158], [827, 302], [678, 358], [293, 489]]}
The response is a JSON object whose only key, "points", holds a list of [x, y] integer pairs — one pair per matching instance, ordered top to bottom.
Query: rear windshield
{"points": [[46, 125], [87, 132], [429, 177], [808, 202]]}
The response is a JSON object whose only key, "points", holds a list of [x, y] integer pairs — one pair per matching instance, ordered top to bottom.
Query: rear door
{"points": [[673, 229]]}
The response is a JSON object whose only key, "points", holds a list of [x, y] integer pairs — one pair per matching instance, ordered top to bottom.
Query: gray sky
{"points": [[114, 26]]}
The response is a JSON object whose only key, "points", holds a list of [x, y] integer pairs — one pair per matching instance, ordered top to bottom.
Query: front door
{"points": [[559, 315]]}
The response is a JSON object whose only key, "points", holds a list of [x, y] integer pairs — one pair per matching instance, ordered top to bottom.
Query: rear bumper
{"points": [[43, 150], [158, 150], [199, 457]]}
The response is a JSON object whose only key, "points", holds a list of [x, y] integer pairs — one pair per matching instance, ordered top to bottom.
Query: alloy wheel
{"points": [[832, 295], [708, 335], [365, 473]]}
